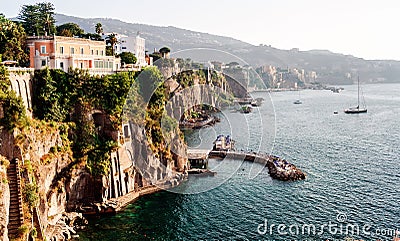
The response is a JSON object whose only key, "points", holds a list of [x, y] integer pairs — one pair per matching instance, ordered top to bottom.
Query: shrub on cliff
{"points": [[30, 194]]}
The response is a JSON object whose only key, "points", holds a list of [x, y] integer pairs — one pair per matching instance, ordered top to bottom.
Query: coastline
{"points": [[132, 196], [115, 205]]}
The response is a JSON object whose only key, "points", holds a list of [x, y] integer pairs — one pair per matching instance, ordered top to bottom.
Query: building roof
{"points": [[64, 39]]}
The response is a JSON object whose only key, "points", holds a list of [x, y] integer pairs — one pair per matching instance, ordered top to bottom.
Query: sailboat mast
{"points": [[358, 98]]}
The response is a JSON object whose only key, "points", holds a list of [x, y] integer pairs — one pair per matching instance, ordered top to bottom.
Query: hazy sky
{"points": [[364, 28]]}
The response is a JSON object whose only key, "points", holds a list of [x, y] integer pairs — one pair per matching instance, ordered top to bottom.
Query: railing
{"points": [[83, 56], [16, 69]]}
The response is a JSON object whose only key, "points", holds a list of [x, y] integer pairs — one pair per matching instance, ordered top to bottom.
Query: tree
{"points": [[38, 19], [99, 28], [70, 30], [92, 36], [112, 41], [12, 42], [164, 51], [127, 58], [149, 80]]}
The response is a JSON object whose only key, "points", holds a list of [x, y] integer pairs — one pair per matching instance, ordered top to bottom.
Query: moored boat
{"points": [[357, 109]]}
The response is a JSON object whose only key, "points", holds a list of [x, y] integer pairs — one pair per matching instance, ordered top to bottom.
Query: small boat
{"points": [[298, 101], [357, 109]]}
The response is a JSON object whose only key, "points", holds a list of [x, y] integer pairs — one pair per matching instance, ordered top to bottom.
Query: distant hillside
{"points": [[332, 68]]}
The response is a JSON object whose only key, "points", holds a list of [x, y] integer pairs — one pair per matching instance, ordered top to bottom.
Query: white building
{"points": [[135, 45]]}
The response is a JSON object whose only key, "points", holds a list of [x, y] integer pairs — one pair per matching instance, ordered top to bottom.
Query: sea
{"points": [[352, 189]]}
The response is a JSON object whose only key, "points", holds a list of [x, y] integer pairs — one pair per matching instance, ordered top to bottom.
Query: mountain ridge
{"points": [[331, 68]]}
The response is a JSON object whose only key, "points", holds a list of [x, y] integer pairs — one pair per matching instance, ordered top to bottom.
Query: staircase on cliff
{"points": [[15, 212]]}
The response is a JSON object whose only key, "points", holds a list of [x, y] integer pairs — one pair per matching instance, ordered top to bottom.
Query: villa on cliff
{"points": [[134, 44], [58, 52]]}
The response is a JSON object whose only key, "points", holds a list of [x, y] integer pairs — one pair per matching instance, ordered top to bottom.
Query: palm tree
{"points": [[48, 23], [99, 28], [112, 40]]}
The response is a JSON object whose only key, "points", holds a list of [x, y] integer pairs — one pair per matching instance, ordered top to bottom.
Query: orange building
{"points": [[57, 52]]}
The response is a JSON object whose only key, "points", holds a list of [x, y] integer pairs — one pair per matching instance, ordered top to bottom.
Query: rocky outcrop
{"points": [[282, 170]]}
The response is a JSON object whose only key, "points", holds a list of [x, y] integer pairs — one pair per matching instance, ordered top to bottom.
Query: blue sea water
{"points": [[352, 163]]}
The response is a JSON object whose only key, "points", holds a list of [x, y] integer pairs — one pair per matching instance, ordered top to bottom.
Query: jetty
{"points": [[278, 168]]}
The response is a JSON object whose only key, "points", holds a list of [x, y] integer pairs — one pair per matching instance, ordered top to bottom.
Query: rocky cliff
{"points": [[58, 179]]}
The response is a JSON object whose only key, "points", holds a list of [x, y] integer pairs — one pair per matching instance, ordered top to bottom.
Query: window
{"points": [[123, 47], [43, 49], [61, 50], [72, 50], [81, 50], [92, 52], [97, 52], [102, 52], [43, 62], [62, 65], [126, 131]]}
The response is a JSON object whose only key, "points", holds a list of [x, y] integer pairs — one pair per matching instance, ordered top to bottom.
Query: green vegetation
{"points": [[38, 19], [99, 28], [69, 30], [74, 30], [12, 41], [111, 41], [127, 58], [149, 79], [152, 88], [73, 96], [4, 161], [30, 194], [23, 230], [33, 232]]}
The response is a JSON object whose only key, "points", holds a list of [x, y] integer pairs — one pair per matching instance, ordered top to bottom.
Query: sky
{"points": [[364, 28]]}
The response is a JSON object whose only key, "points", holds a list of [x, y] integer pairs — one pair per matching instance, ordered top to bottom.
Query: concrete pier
{"points": [[278, 168]]}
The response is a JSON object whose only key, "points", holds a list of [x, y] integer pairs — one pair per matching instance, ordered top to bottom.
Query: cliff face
{"points": [[47, 162], [133, 167], [64, 184]]}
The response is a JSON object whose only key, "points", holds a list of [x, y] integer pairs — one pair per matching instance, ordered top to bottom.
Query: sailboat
{"points": [[298, 101], [357, 109]]}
